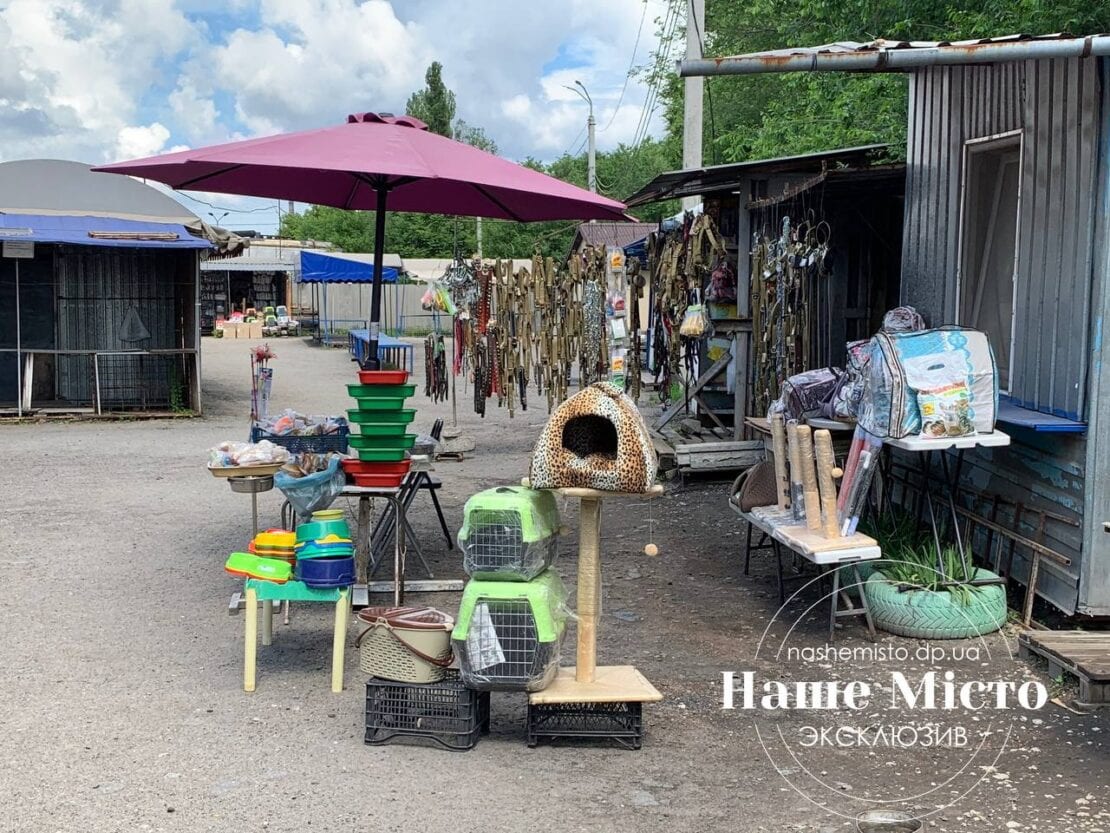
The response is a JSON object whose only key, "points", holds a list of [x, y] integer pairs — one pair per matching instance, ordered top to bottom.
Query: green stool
{"points": [[292, 591]]}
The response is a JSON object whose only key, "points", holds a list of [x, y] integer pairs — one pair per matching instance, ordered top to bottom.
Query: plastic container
{"points": [[383, 377], [381, 391], [391, 403], [403, 416], [379, 429], [405, 442], [310, 443], [382, 455], [354, 466], [377, 481], [319, 530], [509, 533], [333, 549], [248, 565], [326, 572], [508, 633], [405, 644], [446, 713], [622, 723]]}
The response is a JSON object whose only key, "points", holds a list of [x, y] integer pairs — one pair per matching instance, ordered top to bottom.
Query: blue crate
{"points": [[311, 444]]}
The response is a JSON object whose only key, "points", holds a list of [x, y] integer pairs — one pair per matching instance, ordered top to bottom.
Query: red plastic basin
{"points": [[383, 377], [354, 466], [377, 481]]}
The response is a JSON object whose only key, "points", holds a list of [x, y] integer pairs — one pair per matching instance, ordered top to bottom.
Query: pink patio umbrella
{"points": [[376, 162]]}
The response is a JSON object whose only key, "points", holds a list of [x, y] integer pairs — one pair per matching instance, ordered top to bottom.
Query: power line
{"points": [[631, 64], [654, 75], [655, 82], [224, 207]]}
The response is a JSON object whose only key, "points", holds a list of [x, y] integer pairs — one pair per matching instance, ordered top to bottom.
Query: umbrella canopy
{"points": [[379, 163], [348, 165]]}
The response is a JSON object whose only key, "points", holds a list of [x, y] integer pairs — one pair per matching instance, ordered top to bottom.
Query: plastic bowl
{"points": [[383, 377], [381, 391], [372, 406], [401, 417], [381, 429], [405, 441], [382, 455], [353, 466], [377, 481], [314, 530], [311, 551], [326, 572]]}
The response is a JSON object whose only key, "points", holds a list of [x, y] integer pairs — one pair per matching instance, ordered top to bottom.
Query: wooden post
{"points": [[778, 446], [827, 472], [809, 478], [797, 501], [589, 586], [267, 622], [250, 639], [339, 641]]}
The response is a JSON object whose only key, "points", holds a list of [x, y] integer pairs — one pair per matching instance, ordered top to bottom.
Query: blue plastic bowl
{"points": [[326, 572]]}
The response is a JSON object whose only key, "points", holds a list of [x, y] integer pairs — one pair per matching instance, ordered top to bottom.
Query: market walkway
{"points": [[122, 670]]}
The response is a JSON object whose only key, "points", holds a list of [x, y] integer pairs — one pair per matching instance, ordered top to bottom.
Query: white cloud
{"points": [[102, 79], [139, 141]]}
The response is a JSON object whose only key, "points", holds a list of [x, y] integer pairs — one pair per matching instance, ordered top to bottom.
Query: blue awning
{"points": [[98, 231], [324, 268]]}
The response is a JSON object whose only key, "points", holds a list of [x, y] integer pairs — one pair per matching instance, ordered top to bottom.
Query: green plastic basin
{"points": [[381, 391], [374, 405], [393, 415], [382, 429], [361, 443], [381, 455]]}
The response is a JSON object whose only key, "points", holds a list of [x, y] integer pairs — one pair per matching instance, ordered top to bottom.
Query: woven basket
{"points": [[405, 644]]}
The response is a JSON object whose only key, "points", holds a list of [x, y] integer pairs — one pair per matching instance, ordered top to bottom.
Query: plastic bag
{"points": [[722, 284], [903, 320], [695, 322], [804, 394], [845, 399], [228, 454], [314, 492]]}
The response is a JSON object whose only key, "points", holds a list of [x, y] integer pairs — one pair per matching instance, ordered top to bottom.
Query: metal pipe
{"points": [[894, 59], [18, 350], [371, 362]]}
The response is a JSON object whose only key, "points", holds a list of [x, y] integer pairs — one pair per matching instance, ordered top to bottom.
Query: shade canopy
{"points": [[345, 166], [98, 231], [318, 267]]}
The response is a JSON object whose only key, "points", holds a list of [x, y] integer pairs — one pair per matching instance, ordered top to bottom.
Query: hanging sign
{"points": [[19, 248]]}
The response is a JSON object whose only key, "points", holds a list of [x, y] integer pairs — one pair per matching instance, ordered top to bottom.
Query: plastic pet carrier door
{"points": [[509, 533], [508, 633]]}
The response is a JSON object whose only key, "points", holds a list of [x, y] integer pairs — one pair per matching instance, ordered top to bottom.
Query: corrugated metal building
{"points": [[1007, 229], [98, 293]]}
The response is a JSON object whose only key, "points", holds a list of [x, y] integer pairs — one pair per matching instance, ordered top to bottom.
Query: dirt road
{"points": [[123, 707]]}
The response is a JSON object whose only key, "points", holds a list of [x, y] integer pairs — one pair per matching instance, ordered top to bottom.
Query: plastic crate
{"points": [[310, 443], [445, 713], [619, 722]]}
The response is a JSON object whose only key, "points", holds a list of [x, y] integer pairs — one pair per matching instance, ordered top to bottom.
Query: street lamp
{"points": [[591, 163], [217, 220]]}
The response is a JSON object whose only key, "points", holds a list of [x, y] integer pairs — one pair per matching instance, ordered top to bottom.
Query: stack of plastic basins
{"points": [[382, 441], [513, 611]]}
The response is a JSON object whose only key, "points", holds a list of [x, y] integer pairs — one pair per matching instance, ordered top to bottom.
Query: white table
{"points": [[829, 557]]}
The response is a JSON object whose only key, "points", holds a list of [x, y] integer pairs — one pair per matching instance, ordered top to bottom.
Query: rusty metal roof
{"points": [[886, 55], [698, 181]]}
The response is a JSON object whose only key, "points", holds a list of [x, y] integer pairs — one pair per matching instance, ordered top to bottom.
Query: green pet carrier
{"points": [[509, 534], [508, 633]]}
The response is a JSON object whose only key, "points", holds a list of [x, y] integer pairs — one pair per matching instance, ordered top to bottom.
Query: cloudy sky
{"points": [[101, 80]]}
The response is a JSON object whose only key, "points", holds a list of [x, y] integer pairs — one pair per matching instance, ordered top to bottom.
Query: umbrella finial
{"points": [[386, 118]]}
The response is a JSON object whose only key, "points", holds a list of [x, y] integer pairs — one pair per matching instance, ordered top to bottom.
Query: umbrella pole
{"points": [[376, 292]]}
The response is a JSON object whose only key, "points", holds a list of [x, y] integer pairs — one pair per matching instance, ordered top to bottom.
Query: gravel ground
{"points": [[122, 670]]}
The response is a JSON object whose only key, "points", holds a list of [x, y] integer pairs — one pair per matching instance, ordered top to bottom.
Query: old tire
{"points": [[929, 614]]}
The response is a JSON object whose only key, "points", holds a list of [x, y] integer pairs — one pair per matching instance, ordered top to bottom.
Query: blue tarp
{"points": [[62, 228], [323, 268]]}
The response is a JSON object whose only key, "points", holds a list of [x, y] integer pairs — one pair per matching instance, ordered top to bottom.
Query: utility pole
{"points": [[692, 99], [591, 141], [478, 234]]}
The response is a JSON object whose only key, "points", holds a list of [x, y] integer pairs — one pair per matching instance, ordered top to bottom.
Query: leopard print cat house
{"points": [[595, 440]]}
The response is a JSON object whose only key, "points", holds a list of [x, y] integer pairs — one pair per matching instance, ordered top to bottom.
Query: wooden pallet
{"points": [[1084, 654]]}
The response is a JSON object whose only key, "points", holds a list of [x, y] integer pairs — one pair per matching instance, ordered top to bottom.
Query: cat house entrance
{"points": [[590, 436]]}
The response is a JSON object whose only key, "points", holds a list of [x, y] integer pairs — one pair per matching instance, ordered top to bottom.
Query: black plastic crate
{"points": [[308, 443], [445, 713], [619, 722]]}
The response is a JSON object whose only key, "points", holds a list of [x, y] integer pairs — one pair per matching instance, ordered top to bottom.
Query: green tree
{"points": [[435, 104]]}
